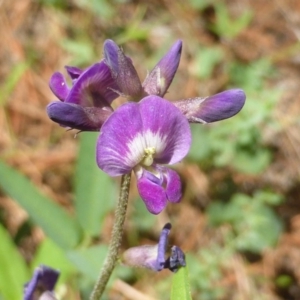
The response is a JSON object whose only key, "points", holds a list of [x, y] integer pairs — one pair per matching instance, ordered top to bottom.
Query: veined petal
{"points": [[122, 70], [74, 72], [159, 79], [58, 86], [94, 87], [213, 108], [78, 117], [163, 119], [153, 123], [114, 139], [172, 184], [153, 194]]}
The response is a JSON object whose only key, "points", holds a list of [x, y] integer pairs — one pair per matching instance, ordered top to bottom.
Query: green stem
{"points": [[116, 239]]}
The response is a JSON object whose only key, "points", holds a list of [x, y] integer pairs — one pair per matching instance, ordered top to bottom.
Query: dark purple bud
{"points": [[122, 70], [73, 72], [159, 79], [59, 86], [213, 108], [77, 117], [176, 260], [43, 280]]}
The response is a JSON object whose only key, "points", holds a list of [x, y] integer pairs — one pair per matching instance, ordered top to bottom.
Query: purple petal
{"points": [[122, 70], [73, 72], [159, 79], [59, 86], [94, 87], [214, 108], [78, 117], [164, 119], [153, 122], [115, 136], [173, 184], [153, 194], [162, 247], [141, 256], [44, 279], [47, 296]]}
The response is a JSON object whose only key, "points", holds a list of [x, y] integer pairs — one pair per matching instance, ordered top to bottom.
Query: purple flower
{"points": [[156, 83], [86, 105], [197, 110], [141, 137], [153, 257], [41, 285]]}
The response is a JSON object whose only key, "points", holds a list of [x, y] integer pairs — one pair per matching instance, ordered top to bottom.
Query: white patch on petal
{"points": [[160, 81], [143, 145]]}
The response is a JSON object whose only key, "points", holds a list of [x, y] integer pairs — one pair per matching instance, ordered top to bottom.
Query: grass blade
{"points": [[95, 192], [56, 223], [13, 270]]}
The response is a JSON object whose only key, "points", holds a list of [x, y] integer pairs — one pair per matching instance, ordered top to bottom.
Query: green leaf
{"points": [[226, 26], [206, 60], [95, 192], [56, 223], [89, 260], [13, 270], [180, 285]]}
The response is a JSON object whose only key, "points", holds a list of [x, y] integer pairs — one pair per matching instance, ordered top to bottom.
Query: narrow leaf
{"points": [[11, 81], [95, 192], [56, 223], [88, 260], [13, 270], [180, 285]]}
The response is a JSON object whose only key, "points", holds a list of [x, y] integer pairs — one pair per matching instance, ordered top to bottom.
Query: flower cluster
{"points": [[147, 132]]}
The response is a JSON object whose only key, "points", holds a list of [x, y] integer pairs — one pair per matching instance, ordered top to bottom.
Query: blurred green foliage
{"points": [[227, 27], [11, 81], [254, 226], [13, 271], [205, 272]]}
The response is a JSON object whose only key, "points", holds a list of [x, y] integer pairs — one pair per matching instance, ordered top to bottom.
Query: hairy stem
{"points": [[116, 238]]}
